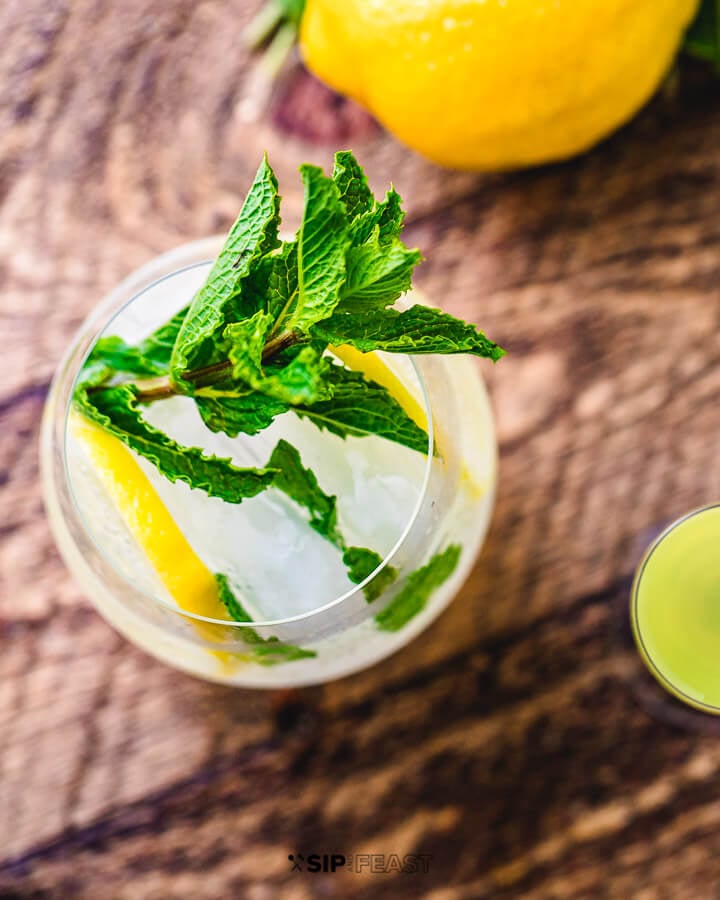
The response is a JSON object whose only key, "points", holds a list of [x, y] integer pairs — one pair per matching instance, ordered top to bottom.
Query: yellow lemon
{"points": [[495, 84], [186, 577]]}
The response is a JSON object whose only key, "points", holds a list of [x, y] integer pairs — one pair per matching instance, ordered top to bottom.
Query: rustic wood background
{"points": [[511, 741]]}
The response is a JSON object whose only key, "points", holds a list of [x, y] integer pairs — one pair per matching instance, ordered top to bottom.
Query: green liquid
{"points": [[676, 610]]}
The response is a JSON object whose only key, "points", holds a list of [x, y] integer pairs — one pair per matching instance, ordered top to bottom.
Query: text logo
{"points": [[375, 863]]}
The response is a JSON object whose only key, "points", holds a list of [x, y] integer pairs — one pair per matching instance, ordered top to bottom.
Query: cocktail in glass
{"points": [[675, 609], [309, 621]]}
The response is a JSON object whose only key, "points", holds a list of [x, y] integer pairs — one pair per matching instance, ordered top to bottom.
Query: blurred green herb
{"points": [[275, 28], [703, 37], [415, 593]]}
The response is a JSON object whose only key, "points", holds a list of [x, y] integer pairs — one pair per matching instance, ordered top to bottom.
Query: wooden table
{"points": [[508, 742]]}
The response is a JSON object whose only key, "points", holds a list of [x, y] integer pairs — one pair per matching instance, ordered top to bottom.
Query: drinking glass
{"points": [[406, 505], [675, 609]]}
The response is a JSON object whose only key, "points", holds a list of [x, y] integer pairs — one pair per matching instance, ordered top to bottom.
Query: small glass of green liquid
{"points": [[675, 609]]}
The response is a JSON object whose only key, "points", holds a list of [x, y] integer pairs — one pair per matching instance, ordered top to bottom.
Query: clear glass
{"points": [[405, 505], [675, 609]]}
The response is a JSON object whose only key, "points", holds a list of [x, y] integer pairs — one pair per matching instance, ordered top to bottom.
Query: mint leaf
{"points": [[352, 184], [365, 213], [390, 216], [386, 218], [318, 263], [379, 265], [377, 275], [281, 284], [219, 300], [419, 329], [247, 340], [158, 346], [116, 354], [148, 358], [94, 373], [301, 379], [359, 408], [115, 409], [236, 413], [301, 485], [360, 563], [415, 593], [231, 603], [266, 651]]}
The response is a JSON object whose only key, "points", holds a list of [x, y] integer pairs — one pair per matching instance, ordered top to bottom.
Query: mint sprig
{"points": [[255, 343]]}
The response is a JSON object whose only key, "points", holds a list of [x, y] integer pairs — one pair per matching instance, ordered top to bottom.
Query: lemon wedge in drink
{"points": [[188, 580]]}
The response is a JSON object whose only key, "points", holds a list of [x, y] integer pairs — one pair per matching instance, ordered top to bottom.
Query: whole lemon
{"points": [[495, 84]]}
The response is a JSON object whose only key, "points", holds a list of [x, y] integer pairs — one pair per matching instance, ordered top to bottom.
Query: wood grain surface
{"points": [[512, 741]]}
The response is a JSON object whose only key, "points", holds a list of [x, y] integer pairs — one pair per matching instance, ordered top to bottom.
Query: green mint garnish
{"points": [[703, 37], [219, 301], [419, 329], [253, 345], [359, 407], [237, 412], [301, 485], [362, 562], [415, 593]]}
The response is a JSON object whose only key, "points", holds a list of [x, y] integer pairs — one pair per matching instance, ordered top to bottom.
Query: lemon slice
{"points": [[372, 366], [188, 580]]}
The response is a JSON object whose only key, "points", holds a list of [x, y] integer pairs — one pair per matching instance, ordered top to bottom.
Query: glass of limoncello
{"points": [[147, 552], [675, 609]]}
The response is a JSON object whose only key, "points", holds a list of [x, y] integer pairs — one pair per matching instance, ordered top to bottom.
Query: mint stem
{"points": [[277, 344], [160, 388]]}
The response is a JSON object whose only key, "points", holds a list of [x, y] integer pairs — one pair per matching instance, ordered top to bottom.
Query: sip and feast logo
{"points": [[376, 863]]}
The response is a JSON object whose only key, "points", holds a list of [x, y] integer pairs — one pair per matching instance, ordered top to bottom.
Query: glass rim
{"points": [[99, 322], [644, 652]]}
